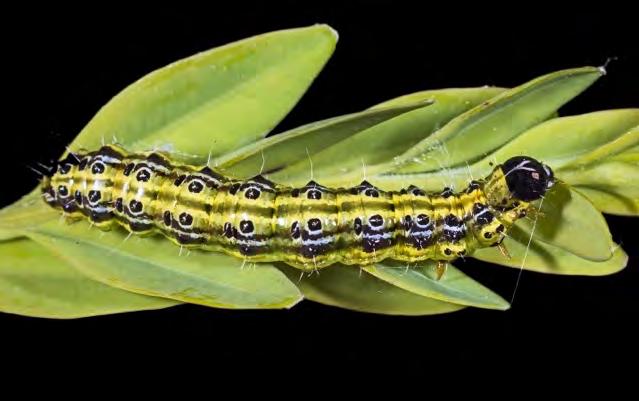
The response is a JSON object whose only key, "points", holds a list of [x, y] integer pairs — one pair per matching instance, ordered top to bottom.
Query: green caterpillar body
{"points": [[309, 227]]}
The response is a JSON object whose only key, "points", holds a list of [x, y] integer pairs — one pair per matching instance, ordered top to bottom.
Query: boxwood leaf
{"points": [[217, 100], [479, 131], [574, 140], [562, 143], [276, 152], [630, 155], [342, 163], [612, 185], [609, 200], [29, 211], [566, 216], [545, 258], [152, 266], [35, 282], [454, 286], [348, 287]]}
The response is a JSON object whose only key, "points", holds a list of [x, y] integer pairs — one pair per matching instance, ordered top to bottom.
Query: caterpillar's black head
{"points": [[527, 179]]}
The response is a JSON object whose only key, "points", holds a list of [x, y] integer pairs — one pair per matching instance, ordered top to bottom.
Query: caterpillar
{"points": [[309, 227]]}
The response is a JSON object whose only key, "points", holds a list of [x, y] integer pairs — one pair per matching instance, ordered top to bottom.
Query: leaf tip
{"points": [[330, 30], [602, 70], [624, 258], [294, 301], [496, 302], [502, 305]]}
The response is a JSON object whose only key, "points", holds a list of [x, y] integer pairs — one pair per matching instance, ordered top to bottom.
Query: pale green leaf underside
{"points": [[217, 100], [483, 129], [593, 136], [569, 141], [624, 148], [369, 151], [276, 152], [630, 155], [612, 185], [611, 201], [29, 211], [566, 217], [546, 258], [152, 266], [35, 282], [454, 286], [348, 287]]}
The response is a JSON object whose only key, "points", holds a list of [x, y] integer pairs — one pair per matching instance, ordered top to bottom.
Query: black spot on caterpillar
{"points": [[262, 221]]}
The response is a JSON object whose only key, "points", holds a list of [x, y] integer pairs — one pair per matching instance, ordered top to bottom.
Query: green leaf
{"points": [[217, 100], [488, 126], [569, 141], [565, 144], [626, 144], [375, 147], [275, 152], [630, 155], [613, 186], [612, 202], [29, 211], [566, 216], [546, 258], [153, 266], [35, 282], [454, 286], [347, 287]]}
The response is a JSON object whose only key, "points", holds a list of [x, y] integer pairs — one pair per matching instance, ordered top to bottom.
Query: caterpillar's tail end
{"points": [[527, 178], [47, 191]]}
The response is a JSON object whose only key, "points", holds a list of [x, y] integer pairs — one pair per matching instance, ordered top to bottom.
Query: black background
{"points": [[63, 64]]}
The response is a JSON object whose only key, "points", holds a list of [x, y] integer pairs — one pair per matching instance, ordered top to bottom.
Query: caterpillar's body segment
{"points": [[309, 227]]}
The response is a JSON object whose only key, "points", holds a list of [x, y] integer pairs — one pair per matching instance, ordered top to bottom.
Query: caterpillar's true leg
{"points": [[534, 213], [127, 237], [504, 251], [407, 268], [440, 269]]}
